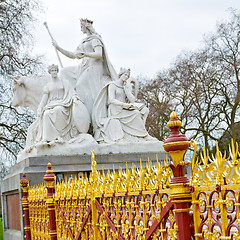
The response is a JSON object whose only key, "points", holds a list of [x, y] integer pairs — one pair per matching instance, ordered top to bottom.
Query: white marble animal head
{"points": [[27, 91]]}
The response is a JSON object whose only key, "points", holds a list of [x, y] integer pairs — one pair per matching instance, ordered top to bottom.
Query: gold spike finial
{"points": [[173, 115], [174, 122]]}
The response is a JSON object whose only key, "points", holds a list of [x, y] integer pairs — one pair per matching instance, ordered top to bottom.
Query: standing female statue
{"points": [[95, 69], [117, 114]]}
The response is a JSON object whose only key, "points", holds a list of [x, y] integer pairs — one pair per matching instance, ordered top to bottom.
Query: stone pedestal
{"points": [[65, 167]]}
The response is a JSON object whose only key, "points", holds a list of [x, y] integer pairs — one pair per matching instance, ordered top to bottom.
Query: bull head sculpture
{"points": [[16, 80]]}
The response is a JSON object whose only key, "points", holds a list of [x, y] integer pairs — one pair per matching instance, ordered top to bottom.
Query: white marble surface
{"points": [[95, 68], [28, 91], [89, 94], [61, 116], [122, 119], [86, 143]]}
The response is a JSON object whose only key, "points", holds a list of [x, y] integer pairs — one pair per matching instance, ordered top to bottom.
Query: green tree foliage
{"points": [[17, 18]]}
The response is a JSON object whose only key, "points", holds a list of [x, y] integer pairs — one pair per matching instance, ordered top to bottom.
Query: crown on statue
{"points": [[84, 21], [51, 67], [124, 70]]}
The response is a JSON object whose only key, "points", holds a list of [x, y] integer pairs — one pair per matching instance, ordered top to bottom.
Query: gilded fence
{"points": [[215, 184], [150, 202], [122, 204], [38, 214]]}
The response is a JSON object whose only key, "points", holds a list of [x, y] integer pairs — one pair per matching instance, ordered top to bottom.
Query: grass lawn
{"points": [[1, 229]]}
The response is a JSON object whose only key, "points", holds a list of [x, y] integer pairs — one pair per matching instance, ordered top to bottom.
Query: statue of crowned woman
{"points": [[95, 69], [94, 77], [119, 118]]}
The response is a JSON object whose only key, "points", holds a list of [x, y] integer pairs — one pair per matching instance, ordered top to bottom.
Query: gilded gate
{"points": [[150, 202]]}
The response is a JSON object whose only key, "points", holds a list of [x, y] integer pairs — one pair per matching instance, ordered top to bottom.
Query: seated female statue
{"points": [[61, 115], [118, 116]]}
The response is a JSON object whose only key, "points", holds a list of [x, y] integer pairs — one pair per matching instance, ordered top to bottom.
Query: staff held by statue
{"points": [[60, 62]]}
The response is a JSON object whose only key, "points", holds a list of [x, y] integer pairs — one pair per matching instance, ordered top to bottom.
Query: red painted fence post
{"points": [[176, 145], [49, 178], [24, 185]]}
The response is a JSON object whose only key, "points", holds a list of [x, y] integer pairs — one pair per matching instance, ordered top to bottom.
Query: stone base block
{"points": [[11, 234]]}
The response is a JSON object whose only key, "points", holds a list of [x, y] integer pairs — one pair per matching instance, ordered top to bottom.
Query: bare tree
{"points": [[17, 18], [16, 23], [224, 47], [196, 86], [203, 87], [155, 95]]}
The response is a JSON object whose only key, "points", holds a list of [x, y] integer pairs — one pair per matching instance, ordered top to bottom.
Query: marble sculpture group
{"points": [[87, 99]]}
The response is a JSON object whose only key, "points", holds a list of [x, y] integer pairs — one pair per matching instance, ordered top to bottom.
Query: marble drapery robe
{"points": [[91, 75], [59, 117], [114, 123]]}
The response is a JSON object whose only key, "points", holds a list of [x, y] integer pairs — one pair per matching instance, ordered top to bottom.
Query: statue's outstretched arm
{"points": [[63, 51], [67, 53]]}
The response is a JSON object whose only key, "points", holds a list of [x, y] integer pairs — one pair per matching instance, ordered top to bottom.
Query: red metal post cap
{"points": [[175, 141], [49, 176], [24, 181]]}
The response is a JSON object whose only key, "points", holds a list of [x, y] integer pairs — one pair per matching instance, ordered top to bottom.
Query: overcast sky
{"points": [[144, 35]]}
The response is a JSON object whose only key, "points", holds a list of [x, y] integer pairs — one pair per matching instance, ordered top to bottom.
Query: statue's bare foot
{"points": [[59, 140], [42, 143], [29, 149]]}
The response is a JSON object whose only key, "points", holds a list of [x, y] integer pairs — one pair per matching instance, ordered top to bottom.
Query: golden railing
{"points": [[215, 185], [132, 199], [155, 201], [122, 203], [39, 218]]}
